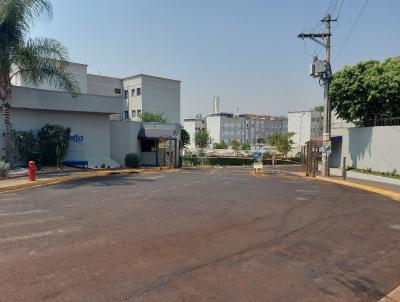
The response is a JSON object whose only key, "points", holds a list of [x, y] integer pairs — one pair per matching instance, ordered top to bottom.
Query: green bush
{"points": [[53, 143], [27, 146], [47, 147], [132, 160], [4, 168]]}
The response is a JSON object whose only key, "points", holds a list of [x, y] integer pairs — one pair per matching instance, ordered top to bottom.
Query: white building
{"points": [[192, 125], [306, 125], [226, 127], [104, 141]]}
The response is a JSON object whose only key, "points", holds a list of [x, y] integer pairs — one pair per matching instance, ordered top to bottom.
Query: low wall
{"points": [[124, 139], [377, 148]]}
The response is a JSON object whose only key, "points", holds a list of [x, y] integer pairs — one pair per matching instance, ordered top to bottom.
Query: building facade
{"points": [[101, 116], [306, 125], [226, 127]]}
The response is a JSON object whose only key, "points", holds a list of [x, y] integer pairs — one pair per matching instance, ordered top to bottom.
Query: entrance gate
{"points": [[309, 163]]}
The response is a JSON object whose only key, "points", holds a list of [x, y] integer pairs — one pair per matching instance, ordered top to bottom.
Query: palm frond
{"points": [[44, 60]]}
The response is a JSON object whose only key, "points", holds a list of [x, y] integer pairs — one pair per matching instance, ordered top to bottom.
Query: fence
{"points": [[234, 161]]}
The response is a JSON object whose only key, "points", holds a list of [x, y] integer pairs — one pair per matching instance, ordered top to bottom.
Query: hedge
{"points": [[232, 161]]}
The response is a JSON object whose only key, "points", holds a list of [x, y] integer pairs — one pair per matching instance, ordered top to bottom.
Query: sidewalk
{"points": [[382, 182], [16, 183]]}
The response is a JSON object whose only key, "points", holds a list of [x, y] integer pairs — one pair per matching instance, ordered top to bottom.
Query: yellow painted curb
{"points": [[60, 179], [387, 193], [393, 296]]}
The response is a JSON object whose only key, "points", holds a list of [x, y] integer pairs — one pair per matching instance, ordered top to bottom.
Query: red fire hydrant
{"points": [[32, 170]]}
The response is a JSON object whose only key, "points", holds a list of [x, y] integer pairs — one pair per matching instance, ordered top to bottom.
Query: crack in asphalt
{"points": [[164, 279]]}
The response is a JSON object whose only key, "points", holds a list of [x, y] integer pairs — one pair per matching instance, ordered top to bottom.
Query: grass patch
{"points": [[394, 174]]}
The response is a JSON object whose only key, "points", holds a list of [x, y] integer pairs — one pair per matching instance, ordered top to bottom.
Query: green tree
{"points": [[36, 60], [367, 91], [319, 108], [153, 117], [185, 138], [202, 139], [281, 141], [53, 143], [221, 145], [235, 145], [245, 147]]}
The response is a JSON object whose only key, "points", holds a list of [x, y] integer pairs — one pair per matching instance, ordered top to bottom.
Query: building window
{"points": [[117, 90], [139, 91], [132, 92], [126, 94], [133, 113], [139, 113], [126, 115]]}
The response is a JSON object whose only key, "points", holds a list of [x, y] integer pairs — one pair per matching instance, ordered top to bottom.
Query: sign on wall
{"points": [[76, 138]]}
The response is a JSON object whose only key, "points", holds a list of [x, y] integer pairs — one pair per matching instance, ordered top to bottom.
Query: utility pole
{"points": [[324, 74]]}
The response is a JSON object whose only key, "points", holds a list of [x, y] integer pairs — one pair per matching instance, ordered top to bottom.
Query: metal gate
{"points": [[167, 153], [309, 162]]}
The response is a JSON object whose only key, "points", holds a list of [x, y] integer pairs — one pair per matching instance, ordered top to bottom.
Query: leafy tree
{"points": [[36, 60], [368, 91], [319, 108], [154, 117], [185, 138], [202, 139], [281, 141], [221, 145], [235, 145], [27, 146], [245, 147]]}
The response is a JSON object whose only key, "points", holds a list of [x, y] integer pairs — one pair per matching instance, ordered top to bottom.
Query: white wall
{"points": [[79, 72], [102, 85], [161, 96], [134, 101], [306, 125], [94, 127], [190, 127], [214, 128], [124, 139], [377, 148]]}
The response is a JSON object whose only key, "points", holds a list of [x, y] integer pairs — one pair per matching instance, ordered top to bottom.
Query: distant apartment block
{"points": [[226, 127]]}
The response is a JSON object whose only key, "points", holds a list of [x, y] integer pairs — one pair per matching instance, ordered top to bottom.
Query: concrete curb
{"points": [[59, 179], [387, 193]]}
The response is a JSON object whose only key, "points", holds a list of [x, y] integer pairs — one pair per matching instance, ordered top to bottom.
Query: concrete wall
{"points": [[79, 72], [102, 85], [162, 96], [33, 98], [134, 101], [306, 125], [93, 127], [214, 128], [124, 139], [377, 148]]}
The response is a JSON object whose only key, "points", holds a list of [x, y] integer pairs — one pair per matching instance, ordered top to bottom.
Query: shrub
{"points": [[53, 143], [27, 146], [132, 160], [4, 168]]}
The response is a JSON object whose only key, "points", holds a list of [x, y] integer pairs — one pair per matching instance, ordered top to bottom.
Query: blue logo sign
{"points": [[76, 138]]}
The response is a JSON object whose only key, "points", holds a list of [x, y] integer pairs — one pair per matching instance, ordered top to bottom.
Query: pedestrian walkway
{"points": [[382, 182]]}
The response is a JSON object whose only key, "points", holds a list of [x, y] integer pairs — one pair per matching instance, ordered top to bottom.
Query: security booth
{"points": [[159, 147]]}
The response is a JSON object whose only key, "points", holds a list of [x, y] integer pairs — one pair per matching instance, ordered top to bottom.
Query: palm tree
{"points": [[35, 61]]}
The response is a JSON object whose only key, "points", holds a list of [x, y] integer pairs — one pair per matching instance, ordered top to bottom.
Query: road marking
{"points": [[154, 177], [186, 185], [172, 187], [155, 191], [301, 198], [12, 199], [23, 213], [26, 222], [395, 226], [38, 235], [393, 296]]}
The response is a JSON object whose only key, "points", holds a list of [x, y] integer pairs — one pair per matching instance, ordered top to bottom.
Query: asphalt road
{"points": [[215, 234]]}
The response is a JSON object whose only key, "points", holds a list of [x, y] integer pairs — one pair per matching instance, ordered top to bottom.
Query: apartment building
{"points": [[102, 115], [306, 125], [226, 127]]}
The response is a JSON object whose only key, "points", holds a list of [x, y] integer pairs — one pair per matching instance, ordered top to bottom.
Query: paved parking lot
{"points": [[212, 234]]}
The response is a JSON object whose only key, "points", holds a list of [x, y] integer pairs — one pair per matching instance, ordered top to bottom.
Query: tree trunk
{"points": [[7, 132]]}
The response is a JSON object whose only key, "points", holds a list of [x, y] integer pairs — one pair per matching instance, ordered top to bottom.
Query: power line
{"points": [[340, 9], [351, 30]]}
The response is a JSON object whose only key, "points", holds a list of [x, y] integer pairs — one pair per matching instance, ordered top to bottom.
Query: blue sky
{"points": [[246, 52]]}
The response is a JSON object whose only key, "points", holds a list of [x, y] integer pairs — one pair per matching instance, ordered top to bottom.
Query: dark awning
{"points": [[154, 133]]}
